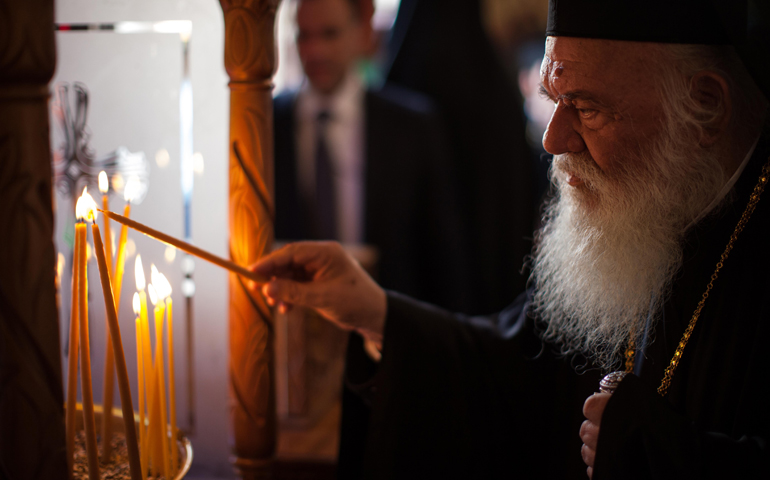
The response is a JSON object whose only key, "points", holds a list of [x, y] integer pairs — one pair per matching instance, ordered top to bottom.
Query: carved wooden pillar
{"points": [[250, 63], [31, 397]]}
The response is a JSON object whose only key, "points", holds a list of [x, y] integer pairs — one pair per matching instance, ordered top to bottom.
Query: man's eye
{"points": [[586, 113]]}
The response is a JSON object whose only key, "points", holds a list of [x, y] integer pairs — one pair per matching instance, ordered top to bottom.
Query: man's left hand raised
{"points": [[593, 409]]}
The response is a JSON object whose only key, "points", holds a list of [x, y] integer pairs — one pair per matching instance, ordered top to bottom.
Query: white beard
{"points": [[607, 254]]}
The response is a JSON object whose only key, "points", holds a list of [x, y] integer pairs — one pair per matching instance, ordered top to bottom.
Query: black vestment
{"points": [[440, 48], [483, 397]]}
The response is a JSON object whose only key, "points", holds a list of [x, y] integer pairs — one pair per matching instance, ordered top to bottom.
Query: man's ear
{"points": [[711, 93]]}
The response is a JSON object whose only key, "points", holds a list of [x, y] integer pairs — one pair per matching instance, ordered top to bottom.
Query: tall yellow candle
{"points": [[104, 187], [129, 193], [83, 213], [120, 260], [140, 284], [163, 288], [117, 344], [109, 359], [72, 361], [149, 374], [160, 375], [149, 380], [140, 381], [171, 387], [149, 392], [108, 396], [156, 429]]}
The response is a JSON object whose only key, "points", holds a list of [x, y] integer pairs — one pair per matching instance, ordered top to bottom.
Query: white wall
{"points": [[134, 82]]}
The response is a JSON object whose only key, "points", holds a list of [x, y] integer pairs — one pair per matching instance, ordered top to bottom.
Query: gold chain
{"points": [[630, 355], [669, 372]]}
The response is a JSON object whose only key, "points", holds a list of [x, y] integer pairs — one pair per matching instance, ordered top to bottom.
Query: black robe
{"points": [[484, 397]]}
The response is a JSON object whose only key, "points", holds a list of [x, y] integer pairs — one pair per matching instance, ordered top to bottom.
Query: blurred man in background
{"points": [[364, 166]]}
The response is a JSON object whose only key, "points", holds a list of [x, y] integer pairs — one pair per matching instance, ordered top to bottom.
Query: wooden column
{"points": [[250, 64], [31, 395]]}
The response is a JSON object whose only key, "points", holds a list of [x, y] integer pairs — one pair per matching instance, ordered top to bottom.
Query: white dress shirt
{"points": [[346, 143]]}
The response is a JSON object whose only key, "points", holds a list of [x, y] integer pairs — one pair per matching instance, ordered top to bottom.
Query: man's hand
{"points": [[322, 276], [589, 431]]}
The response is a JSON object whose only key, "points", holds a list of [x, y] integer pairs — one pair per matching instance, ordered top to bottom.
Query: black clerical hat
{"points": [[745, 24]]}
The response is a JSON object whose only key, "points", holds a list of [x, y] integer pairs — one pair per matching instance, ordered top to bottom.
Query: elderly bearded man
{"points": [[659, 152]]}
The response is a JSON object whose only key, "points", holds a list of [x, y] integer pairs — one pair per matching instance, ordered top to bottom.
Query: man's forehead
{"points": [[603, 65]]}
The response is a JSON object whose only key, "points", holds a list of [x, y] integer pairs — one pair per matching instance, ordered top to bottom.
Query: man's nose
{"points": [[562, 135]]}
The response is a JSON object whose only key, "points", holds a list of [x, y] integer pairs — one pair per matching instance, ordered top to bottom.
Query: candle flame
{"points": [[104, 184], [132, 189], [85, 209], [140, 280], [163, 286], [153, 294], [137, 304]]}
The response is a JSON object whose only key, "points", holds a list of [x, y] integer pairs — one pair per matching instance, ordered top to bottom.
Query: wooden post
{"points": [[250, 64], [32, 442]]}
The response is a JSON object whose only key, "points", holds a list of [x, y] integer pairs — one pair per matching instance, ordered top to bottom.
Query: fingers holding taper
{"points": [[322, 276]]}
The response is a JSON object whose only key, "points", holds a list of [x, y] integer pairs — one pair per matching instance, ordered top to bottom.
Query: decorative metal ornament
{"points": [[75, 163], [611, 381]]}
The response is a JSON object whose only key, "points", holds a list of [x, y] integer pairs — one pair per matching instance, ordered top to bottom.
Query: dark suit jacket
{"points": [[409, 213]]}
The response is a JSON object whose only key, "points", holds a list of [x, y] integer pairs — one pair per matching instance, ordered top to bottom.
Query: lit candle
{"points": [[104, 187], [129, 191], [83, 214], [165, 291], [109, 358], [120, 359], [72, 361], [149, 372], [160, 376], [140, 381], [172, 387], [149, 389], [155, 427], [154, 432]]}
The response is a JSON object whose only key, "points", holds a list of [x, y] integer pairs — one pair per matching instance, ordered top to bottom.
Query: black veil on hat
{"points": [[744, 24]]}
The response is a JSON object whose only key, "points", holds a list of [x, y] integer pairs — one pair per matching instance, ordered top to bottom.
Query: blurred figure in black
{"points": [[440, 48]]}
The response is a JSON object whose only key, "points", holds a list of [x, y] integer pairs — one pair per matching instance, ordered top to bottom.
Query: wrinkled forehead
{"points": [[610, 66]]}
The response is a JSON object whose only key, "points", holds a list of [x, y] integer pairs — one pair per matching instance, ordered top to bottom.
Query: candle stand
{"points": [[182, 444]]}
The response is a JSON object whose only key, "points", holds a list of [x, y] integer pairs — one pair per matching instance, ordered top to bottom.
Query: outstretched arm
{"points": [[322, 276]]}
